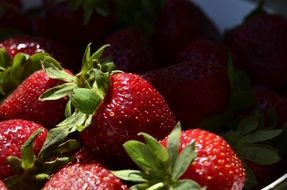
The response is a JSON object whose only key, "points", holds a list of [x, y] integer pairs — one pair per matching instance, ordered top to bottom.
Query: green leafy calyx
{"points": [[161, 168]]}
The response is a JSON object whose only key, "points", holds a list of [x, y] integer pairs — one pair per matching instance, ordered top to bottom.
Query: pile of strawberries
{"points": [[130, 94]]}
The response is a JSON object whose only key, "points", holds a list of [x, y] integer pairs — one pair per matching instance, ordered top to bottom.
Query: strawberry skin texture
{"points": [[180, 22], [260, 43], [131, 51], [203, 51], [70, 58], [193, 91], [267, 100], [24, 103], [131, 106], [13, 134], [216, 166], [84, 176], [2, 186]]}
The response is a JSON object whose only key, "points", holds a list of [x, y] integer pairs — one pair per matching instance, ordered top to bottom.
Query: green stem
{"points": [[156, 186]]}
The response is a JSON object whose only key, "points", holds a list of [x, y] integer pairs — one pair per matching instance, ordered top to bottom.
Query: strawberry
{"points": [[69, 22], [180, 22], [259, 43], [131, 51], [203, 51], [68, 56], [193, 91], [24, 103], [269, 103], [110, 108], [13, 134], [184, 160], [84, 176], [2, 186]]}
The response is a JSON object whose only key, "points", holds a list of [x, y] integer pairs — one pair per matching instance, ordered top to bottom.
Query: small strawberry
{"points": [[180, 22], [79, 23], [260, 44], [131, 51], [203, 52], [68, 56], [193, 91], [24, 103], [271, 103], [110, 108], [13, 134], [184, 160], [84, 176], [2, 186]]}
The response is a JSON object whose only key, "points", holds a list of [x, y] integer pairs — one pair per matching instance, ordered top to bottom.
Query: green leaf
{"points": [[99, 53], [49, 61], [87, 64], [60, 74], [101, 84], [58, 92], [85, 100], [241, 100], [68, 109], [75, 120], [216, 121], [247, 125], [262, 135], [55, 136], [173, 143], [159, 152], [260, 154], [28, 157], [143, 158], [183, 161], [54, 165], [130, 175], [250, 176], [187, 185], [141, 186], [156, 186]]}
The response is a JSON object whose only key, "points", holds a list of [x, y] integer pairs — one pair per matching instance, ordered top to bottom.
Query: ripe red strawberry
{"points": [[180, 22], [69, 27], [260, 45], [131, 51], [203, 52], [69, 57], [193, 91], [24, 103], [271, 103], [131, 105], [111, 108], [13, 134], [185, 160], [216, 165], [84, 176], [2, 186]]}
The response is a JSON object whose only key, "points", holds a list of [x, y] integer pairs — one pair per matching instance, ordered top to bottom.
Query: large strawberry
{"points": [[180, 22], [79, 23], [260, 44], [131, 51], [203, 52], [69, 57], [193, 90], [24, 103], [110, 108], [13, 134], [184, 160], [84, 176]]}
